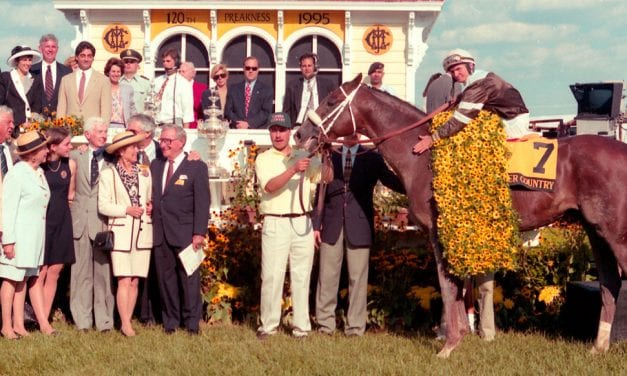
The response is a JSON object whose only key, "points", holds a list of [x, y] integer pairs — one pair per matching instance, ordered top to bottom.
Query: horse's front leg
{"points": [[452, 298]]}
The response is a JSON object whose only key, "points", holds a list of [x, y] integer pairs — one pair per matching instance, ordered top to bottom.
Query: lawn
{"points": [[234, 350]]}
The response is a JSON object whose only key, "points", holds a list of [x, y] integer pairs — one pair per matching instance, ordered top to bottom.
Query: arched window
{"points": [[239, 48], [191, 49], [329, 58]]}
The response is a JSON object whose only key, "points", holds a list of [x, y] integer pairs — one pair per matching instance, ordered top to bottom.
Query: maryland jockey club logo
{"points": [[116, 37], [377, 39]]}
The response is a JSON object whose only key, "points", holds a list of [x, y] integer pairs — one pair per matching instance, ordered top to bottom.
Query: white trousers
{"points": [[518, 126], [286, 240]]}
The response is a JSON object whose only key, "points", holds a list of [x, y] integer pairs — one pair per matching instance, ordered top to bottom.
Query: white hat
{"points": [[20, 51]]}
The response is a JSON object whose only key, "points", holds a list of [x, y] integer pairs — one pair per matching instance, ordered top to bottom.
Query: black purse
{"points": [[104, 241]]}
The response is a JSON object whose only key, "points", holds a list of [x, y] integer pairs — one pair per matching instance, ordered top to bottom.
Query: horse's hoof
{"points": [[596, 350], [444, 353]]}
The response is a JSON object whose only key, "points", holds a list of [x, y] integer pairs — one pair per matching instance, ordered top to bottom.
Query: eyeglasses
{"points": [[254, 69], [221, 75], [167, 141]]}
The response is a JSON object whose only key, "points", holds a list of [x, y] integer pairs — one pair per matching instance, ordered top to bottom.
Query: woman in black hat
{"points": [[18, 88], [25, 199]]}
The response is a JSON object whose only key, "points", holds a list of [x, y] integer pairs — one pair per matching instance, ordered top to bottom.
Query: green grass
{"points": [[234, 350]]}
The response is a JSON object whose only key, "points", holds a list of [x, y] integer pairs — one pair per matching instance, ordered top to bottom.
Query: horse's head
{"points": [[331, 119]]}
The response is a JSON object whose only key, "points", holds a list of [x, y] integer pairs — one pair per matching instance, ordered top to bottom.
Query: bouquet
{"points": [[41, 123]]}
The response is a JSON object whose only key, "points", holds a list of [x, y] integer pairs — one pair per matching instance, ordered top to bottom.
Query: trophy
{"points": [[213, 129]]}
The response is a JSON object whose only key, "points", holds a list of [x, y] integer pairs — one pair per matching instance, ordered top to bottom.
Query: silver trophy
{"points": [[213, 129]]}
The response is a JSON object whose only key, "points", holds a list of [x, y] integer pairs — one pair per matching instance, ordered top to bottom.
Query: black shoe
{"points": [[169, 331], [193, 332]]}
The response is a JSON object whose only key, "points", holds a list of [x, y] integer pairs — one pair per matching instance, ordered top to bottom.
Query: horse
{"points": [[591, 176]]}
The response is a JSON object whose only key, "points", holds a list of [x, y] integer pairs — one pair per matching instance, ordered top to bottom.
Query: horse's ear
{"points": [[357, 79]]}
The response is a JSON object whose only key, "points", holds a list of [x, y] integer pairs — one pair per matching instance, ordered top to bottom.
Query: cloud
{"points": [[538, 5], [507, 32]]}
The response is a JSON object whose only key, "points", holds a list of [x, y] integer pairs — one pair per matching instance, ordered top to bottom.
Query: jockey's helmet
{"points": [[456, 57]]}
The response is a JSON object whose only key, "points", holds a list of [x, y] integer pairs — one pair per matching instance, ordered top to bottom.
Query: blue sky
{"points": [[540, 46]]}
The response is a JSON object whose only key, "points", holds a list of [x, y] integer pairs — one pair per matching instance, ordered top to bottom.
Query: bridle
{"points": [[326, 124], [324, 140]]}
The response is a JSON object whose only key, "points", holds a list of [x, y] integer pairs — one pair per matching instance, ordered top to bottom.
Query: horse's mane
{"points": [[386, 97]]}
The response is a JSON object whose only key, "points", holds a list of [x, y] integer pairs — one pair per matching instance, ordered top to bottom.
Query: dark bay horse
{"points": [[591, 179]]}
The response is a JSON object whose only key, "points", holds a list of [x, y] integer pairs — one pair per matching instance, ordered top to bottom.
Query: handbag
{"points": [[104, 241]]}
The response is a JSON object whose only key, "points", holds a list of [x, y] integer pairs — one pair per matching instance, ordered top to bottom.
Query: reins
{"points": [[332, 116]]}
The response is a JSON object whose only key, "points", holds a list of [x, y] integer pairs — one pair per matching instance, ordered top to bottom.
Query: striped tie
{"points": [[49, 86], [3, 161], [348, 168]]}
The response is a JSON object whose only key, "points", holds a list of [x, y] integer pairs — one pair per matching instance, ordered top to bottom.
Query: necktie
{"points": [[49, 85], [81, 88], [160, 94], [246, 99], [310, 103], [144, 158], [3, 161], [348, 167], [94, 169], [170, 172]]}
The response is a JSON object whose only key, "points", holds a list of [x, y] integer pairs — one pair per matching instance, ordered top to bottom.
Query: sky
{"points": [[539, 46]]}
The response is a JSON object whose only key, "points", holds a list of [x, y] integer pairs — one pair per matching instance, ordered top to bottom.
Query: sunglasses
{"points": [[254, 69], [221, 75]]}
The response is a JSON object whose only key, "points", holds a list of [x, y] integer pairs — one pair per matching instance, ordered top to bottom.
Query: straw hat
{"points": [[20, 51], [122, 139], [30, 141]]}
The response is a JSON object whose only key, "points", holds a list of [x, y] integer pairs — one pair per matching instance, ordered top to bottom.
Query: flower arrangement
{"points": [[49, 120], [245, 190], [476, 223]]}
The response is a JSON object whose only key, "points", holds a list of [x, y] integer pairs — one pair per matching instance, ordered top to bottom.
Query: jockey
{"points": [[481, 90]]}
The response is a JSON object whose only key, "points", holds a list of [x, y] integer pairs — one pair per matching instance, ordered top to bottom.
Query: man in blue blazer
{"points": [[49, 46], [298, 92], [255, 114], [180, 197], [346, 224]]}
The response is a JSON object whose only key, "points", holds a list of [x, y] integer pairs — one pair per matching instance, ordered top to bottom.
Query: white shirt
{"points": [[78, 78], [178, 96], [304, 99], [151, 150], [175, 166]]}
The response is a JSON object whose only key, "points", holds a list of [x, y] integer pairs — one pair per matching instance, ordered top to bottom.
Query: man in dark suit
{"points": [[49, 72], [307, 92], [250, 102], [180, 215], [347, 223]]}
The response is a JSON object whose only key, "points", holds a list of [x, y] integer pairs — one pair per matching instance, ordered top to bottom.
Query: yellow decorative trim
{"points": [[476, 223]]}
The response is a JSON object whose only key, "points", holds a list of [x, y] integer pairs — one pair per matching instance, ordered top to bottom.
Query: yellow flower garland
{"points": [[476, 223]]}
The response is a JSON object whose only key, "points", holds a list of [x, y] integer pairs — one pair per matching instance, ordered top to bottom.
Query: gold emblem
{"points": [[116, 37], [377, 39]]}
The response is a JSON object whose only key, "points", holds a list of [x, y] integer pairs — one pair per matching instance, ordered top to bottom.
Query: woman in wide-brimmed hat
{"points": [[18, 88], [124, 193], [25, 198]]}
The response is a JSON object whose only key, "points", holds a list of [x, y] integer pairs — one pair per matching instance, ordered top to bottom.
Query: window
{"points": [[239, 48], [190, 49], [329, 58]]}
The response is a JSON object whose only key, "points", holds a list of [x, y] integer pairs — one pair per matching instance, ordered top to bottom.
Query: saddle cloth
{"points": [[533, 163]]}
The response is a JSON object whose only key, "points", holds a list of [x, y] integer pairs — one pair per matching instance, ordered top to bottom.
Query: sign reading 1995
{"points": [[316, 18]]}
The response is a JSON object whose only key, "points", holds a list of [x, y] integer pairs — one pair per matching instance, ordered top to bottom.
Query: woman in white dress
{"points": [[124, 192]]}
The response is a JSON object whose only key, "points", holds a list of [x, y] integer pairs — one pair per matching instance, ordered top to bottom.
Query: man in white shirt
{"points": [[173, 93]]}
